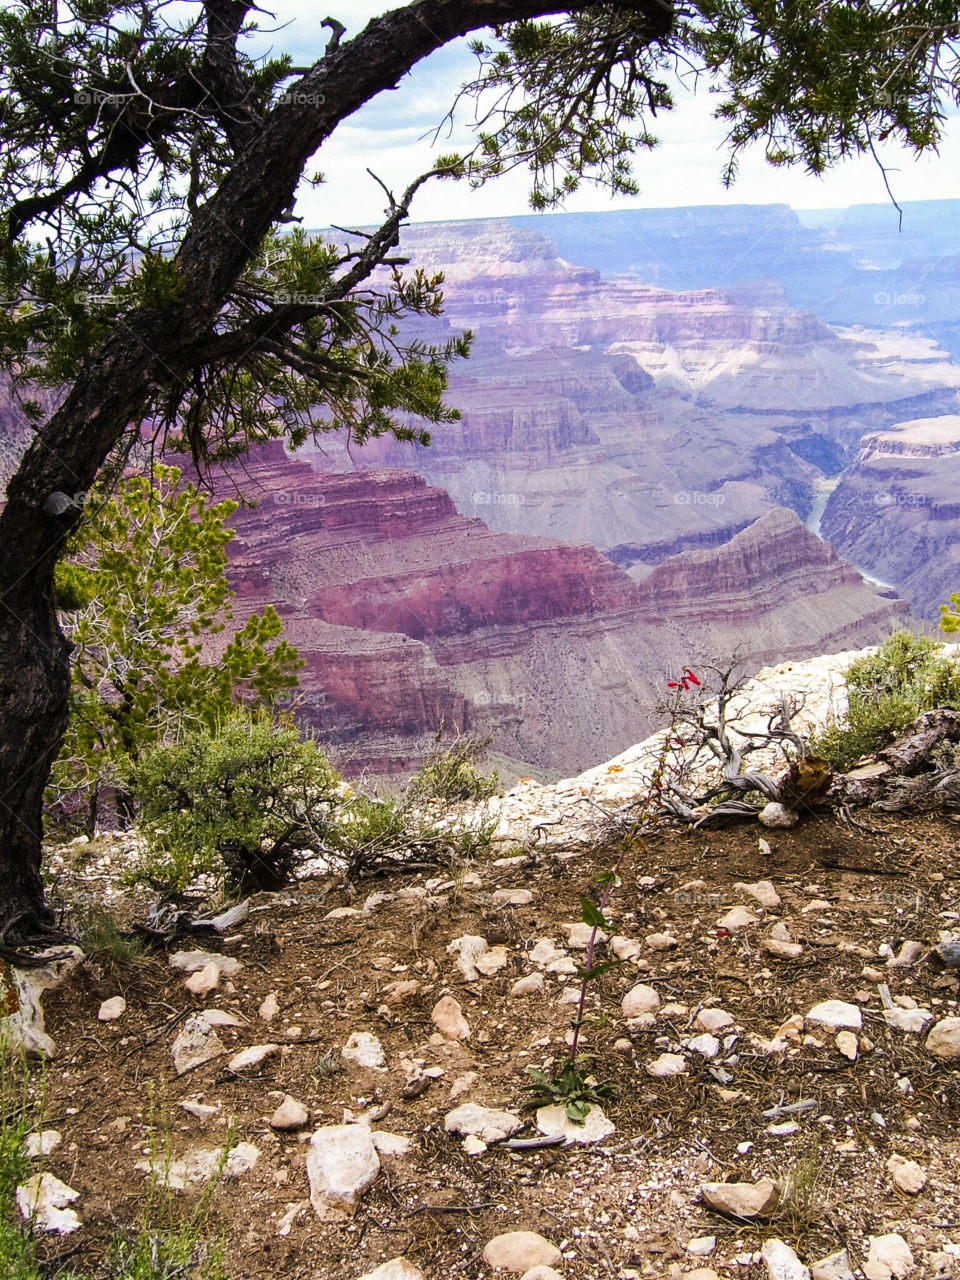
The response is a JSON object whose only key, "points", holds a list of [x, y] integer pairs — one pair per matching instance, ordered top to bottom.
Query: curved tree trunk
{"points": [[155, 349]]}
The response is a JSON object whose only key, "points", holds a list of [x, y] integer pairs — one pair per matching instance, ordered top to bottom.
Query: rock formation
{"points": [[896, 510], [408, 613]]}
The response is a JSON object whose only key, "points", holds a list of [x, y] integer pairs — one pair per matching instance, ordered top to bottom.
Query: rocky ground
{"points": [[776, 1021]]}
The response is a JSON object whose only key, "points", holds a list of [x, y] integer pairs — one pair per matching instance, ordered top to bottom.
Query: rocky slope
{"points": [[896, 510], [409, 613], [343, 1073]]}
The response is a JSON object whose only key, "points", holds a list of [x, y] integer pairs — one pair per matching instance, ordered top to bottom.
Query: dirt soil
{"points": [[627, 1207]]}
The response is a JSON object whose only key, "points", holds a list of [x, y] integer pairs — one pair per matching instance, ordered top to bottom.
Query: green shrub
{"points": [[886, 692], [451, 776], [238, 803]]}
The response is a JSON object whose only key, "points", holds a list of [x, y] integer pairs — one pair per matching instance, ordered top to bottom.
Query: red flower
{"points": [[691, 677], [672, 684]]}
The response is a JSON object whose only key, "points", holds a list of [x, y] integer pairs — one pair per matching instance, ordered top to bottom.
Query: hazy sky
{"points": [[391, 137]]}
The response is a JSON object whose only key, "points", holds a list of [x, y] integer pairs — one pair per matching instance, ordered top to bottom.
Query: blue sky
{"points": [[391, 136]]}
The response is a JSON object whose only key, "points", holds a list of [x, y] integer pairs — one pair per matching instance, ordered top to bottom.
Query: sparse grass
{"points": [[102, 937], [804, 1191], [164, 1245], [17, 1248]]}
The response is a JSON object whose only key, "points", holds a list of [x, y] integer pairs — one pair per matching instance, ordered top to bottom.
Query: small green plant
{"points": [[950, 615], [886, 692], [452, 775], [328, 1064], [572, 1087], [803, 1191], [166, 1244], [17, 1250]]}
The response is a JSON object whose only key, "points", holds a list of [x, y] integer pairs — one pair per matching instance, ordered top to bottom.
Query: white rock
{"points": [[777, 815], [761, 891], [512, 898], [374, 900], [343, 913], [737, 918], [578, 936], [661, 941], [624, 948], [468, 949], [781, 949], [546, 951], [909, 953], [191, 961], [492, 961], [565, 965], [203, 981], [531, 985], [640, 999], [269, 1008], [111, 1009], [837, 1014], [447, 1017], [221, 1018], [711, 1020], [22, 1027], [944, 1040], [196, 1044], [847, 1044], [706, 1045], [363, 1049], [252, 1057], [668, 1064], [463, 1084], [199, 1110], [290, 1114], [553, 1121], [482, 1122], [41, 1144], [392, 1144], [474, 1146], [342, 1163], [200, 1165], [907, 1174], [42, 1199], [741, 1199], [702, 1246], [519, 1251], [889, 1257], [782, 1262], [834, 1267], [395, 1269], [541, 1273]]}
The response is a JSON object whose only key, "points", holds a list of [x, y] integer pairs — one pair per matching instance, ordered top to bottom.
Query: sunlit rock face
{"points": [[643, 420], [896, 510]]}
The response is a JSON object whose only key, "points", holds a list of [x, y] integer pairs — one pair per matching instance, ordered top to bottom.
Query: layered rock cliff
{"points": [[642, 420], [896, 510], [409, 613]]}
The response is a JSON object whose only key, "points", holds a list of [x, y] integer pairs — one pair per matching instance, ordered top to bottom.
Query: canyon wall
{"points": [[642, 420], [896, 510], [408, 613]]}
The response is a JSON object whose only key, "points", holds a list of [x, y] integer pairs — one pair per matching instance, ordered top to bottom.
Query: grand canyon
{"points": [[662, 413]]}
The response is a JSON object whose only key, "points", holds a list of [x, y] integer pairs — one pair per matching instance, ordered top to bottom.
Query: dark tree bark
{"points": [[154, 349]]}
